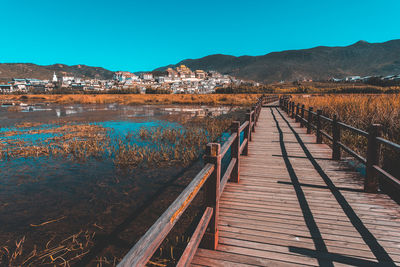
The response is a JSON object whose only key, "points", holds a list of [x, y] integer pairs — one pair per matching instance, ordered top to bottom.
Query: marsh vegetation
{"points": [[76, 181]]}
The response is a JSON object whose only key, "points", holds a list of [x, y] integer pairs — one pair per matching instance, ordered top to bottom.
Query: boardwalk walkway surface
{"points": [[296, 206]]}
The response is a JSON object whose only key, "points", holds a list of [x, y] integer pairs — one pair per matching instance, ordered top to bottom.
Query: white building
{"points": [[55, 79]]}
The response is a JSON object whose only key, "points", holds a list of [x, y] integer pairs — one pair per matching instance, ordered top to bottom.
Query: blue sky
{"points": [[143, 35]]}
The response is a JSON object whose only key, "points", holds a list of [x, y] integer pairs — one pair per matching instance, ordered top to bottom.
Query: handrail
{"points": [[326, 118], [243, 126], [353, 129], [389, 143], [243, 145], [373, 146], [225, 147], [353, 153], [227, 175], [388, 177], [210, 178], [194, 242], [140, 254]]}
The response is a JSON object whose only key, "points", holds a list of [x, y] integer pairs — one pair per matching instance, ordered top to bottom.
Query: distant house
{"points": [[172, 74], [200, 74], [122, 76], [147, 76], [353, 78], [164, 79], [19, 84], [6, 88]]}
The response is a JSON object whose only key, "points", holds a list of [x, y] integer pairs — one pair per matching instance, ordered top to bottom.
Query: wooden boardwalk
{"points": [[296, 206]]}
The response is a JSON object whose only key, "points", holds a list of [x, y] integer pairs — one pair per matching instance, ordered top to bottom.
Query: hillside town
{"points": [[178, 80]]}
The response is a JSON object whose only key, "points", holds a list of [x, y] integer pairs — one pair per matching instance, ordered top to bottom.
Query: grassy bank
{"points": [[135, 99]]}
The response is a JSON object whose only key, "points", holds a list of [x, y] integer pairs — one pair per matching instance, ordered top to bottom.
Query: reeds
{"points": [[136, 99], [74, 141], [164, 145], [168, 145], [53, 253]]}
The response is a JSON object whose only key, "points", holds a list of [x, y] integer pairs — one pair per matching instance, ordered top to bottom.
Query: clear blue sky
{"points": [[142, 35]]}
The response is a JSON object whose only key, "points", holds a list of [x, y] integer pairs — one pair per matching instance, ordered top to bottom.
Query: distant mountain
{"points": [[361, 58], [29, 70]]}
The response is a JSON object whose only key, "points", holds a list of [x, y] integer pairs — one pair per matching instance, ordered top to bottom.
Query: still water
{"points": [[51, 208]]}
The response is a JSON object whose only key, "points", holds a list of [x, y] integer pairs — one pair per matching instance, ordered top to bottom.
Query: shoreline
{"points": [[137, 99]]}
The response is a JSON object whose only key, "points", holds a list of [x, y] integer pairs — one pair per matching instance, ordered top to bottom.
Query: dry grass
{"points": [[329, 87], [135, 99], [360, 111], [77, 142], [166, 145], [53, 253]]}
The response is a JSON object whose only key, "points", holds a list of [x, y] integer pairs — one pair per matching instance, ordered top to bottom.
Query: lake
{"points": [[74, 176]]}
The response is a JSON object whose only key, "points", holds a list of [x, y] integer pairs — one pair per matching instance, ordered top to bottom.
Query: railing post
{"points": [[293, 105], [287, 106], [248, 114], [256, 114], [302, 116], [296, 117], [253, 119], [309, 120], [246, 135], [319, 135], [336, 138], [235, 152], [371, 182], [211, 194]]}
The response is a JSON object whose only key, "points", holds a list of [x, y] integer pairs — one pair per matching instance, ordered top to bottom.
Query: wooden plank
{"points": [[260, 217], [194, 242], [353, 250], [271, 255], [238, 258], [205, 261]]}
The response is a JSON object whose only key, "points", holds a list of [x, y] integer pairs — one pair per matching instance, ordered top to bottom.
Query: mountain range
{"points": [[318, 63], [29, 70]]}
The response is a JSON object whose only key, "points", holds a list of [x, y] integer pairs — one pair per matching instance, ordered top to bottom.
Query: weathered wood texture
{"points": [[295, 206], [194, 242]]}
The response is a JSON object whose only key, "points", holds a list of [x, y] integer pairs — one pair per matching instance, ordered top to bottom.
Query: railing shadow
{"points": [[305, 208], [379, 252]]}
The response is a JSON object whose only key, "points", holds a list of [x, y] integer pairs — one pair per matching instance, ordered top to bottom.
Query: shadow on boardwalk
{"points": [[295, 206], [321, 252]]}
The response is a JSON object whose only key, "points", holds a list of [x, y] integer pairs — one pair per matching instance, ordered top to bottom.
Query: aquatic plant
{"points": [[163, 145], [54, 252]]}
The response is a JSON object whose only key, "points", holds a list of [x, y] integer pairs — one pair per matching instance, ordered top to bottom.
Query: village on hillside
{"points": [[179, 80]]}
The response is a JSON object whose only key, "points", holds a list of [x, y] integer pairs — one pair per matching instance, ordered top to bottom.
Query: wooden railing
{"points": [[374, 173], [206, 232]]}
